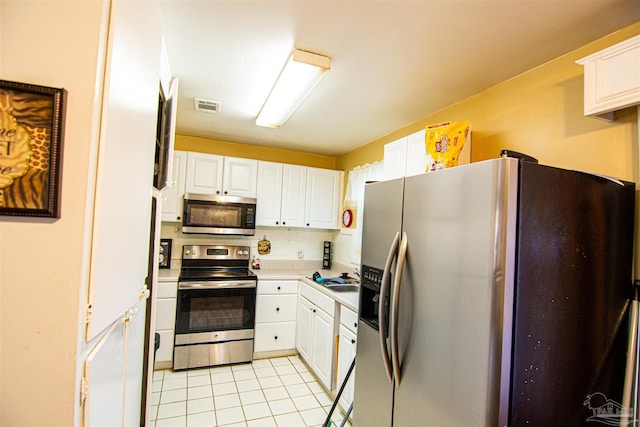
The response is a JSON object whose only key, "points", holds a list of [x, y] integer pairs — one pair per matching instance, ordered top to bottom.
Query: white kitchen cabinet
{"points": [[612, 78], [406, 156], [204, 173], [213, 174], [239, 177], [294, 189], [269, 193], [172, 195], [281, 195], [322, 198], [276, 310], [165, 321], [315, 337], [346, 353]]}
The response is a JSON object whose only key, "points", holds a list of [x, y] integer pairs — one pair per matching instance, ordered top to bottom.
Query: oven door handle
{"points": [[218, 285]]}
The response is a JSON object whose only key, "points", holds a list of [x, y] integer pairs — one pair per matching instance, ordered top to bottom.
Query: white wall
{"points": [[42, 282]]}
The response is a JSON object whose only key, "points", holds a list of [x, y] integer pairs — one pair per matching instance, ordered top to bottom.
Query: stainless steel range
{"points": [[215, 311]]}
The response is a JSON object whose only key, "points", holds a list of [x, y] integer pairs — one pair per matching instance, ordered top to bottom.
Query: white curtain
{"points": [[354, 196]]}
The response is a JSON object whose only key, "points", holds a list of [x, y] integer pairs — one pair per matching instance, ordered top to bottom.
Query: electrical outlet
{"points": [[300, 254]]}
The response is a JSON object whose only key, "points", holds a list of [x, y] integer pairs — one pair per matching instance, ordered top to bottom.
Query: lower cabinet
{"points": [[276, 315], [165, 320], [315, 338], [346, 354]]}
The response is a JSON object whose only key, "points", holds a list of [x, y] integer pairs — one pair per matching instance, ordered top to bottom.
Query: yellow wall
{"points": [[539, 113], [212, 146]]}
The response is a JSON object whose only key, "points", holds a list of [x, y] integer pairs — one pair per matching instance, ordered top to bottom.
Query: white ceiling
{"points": [[392, 62]]}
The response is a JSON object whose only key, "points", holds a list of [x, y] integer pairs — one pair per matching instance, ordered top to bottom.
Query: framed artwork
{"points": [[31, 134]]}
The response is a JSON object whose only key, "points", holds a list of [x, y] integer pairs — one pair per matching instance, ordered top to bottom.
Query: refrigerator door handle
{"points": [[382, 319], [395, 354]]}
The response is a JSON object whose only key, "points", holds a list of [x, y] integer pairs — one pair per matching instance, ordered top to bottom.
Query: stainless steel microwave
{"points": [[214, 214]]}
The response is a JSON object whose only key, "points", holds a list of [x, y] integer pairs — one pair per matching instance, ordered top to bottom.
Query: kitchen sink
{"points": [[342, 288]]}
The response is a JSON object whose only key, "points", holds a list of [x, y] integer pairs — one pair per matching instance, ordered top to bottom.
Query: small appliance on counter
{"points": [[326, 256]]}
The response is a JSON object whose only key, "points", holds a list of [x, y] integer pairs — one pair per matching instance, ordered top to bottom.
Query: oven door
{"points": [[209, 311], [214, 323]]}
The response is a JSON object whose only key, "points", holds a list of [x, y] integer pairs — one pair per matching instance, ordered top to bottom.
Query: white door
{"points": [[204, 173], [240, 177], [294, 186], [269, 193], [172, 196], [322, 198], [122, 210]]}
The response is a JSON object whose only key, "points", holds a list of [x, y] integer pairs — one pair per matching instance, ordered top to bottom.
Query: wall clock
{"points": [[347, 217]]}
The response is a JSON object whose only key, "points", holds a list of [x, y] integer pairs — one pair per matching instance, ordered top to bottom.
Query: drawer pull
{"points": [[278, 287], [277, 308], [314, 310], [355, 324], [275, 338], [353, 341]]}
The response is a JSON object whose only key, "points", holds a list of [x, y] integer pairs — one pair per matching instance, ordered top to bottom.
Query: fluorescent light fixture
{"points": [[300, 75]]}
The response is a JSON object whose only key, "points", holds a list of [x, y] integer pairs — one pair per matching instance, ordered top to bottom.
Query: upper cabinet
{"points": [[612, 79], [406, 156], [203, 173], [213, 174], [240, 177], [172, 195], [297, 196], [322, 198]]}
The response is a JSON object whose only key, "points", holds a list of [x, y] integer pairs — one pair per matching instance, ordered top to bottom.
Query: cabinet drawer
{"points": [[277, 287], [167, 289], [319, 299], [276, 308], [165, 313], [348, 318], [275, 336], [165, 351]]}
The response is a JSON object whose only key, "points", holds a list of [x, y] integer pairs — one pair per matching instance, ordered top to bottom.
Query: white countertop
{"points": [[348, 299]]}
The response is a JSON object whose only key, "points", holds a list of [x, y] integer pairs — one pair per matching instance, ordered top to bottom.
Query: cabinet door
{"points": [[395, 159], [416, 159], [204, 173], [240, 177], [294, 186], [269, 193], [172, 196], [322, 199], [165, 314], [304, 332], [322, 347], [346, 353]]}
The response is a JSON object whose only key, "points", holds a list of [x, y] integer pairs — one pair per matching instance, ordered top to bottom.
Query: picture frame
{"points": [[31, 140]]}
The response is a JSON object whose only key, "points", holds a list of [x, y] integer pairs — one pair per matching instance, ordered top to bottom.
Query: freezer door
{"points": [[382, 219], [573, 283], [455, 296], [373, 392]]}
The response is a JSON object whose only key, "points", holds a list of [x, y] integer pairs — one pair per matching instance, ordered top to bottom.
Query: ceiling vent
{"points": [[207, 106]]}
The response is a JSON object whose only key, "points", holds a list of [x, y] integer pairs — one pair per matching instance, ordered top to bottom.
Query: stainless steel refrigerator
{"points": [[496, 292]]}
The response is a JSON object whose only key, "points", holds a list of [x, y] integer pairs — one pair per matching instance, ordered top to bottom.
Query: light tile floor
{"points": [[278, 392]]}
